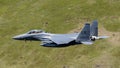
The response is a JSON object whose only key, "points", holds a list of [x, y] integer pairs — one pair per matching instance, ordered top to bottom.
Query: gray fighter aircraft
{"points": [[88, 34]]}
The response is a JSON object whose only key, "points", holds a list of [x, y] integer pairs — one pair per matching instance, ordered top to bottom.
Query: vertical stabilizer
{"points": [[94, 28], [84, 34]]}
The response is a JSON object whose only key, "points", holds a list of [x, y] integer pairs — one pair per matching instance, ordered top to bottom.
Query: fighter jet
{"points": [[87, 36]]}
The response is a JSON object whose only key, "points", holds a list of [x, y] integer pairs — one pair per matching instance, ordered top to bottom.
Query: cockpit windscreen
{"points": [[35, 31]]}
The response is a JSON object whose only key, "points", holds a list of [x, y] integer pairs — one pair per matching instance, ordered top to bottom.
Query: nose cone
{"points": [[19, 37]]}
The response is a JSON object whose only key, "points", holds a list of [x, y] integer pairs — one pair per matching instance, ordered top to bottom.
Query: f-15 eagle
{"points": [[88, 34]]}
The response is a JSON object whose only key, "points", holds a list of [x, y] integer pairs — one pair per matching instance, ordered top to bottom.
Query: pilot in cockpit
{"points": [[35, 31]]}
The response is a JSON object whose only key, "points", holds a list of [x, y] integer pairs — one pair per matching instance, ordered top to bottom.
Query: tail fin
{"points": [[94, 28], [84, 34]]}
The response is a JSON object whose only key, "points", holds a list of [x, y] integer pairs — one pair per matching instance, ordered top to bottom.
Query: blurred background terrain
{"points": [[59, 16]]}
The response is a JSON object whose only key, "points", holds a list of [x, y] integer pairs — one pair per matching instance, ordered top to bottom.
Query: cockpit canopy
{"points": [[35, 31]]}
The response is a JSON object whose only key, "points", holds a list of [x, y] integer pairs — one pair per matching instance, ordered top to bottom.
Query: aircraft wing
{"points": [[57, 38], [61, 39]]}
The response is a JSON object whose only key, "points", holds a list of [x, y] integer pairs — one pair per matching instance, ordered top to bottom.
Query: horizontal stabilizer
{"points": [[103, 37], [87, 42]]}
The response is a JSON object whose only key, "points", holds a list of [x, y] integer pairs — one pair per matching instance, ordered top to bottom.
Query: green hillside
{"points": [[61, 16]]}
